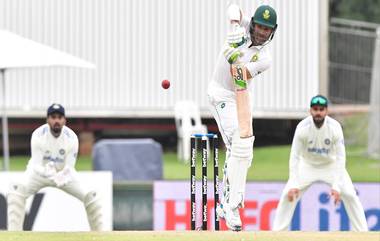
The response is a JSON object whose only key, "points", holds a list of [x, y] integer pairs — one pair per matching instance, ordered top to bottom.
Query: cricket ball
{"points": [[165, 84]]}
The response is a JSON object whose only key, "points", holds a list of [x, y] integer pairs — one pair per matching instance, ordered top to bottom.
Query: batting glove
{"points": [[237, 36], [232, 54]]}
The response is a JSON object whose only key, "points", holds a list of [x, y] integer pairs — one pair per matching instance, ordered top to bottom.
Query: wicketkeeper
{"points": [[243, 57], [54, 149], [318, 154]]}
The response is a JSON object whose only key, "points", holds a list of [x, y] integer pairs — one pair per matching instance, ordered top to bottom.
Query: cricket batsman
{"points": [[243, 57], [54, 149], [318, 154]]}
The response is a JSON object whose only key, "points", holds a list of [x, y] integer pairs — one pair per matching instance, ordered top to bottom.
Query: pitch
{"points": [[189, 236]]}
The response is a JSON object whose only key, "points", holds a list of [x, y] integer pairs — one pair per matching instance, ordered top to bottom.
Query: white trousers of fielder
{"points": [[309, 175], [32, 183]]}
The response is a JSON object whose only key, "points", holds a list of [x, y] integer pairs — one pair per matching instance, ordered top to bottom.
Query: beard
{"points": [[260, 39], [257, 41], [318, 120], [56, 129]]}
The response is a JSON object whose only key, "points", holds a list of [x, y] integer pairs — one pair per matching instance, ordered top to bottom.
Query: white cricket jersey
{"points": [[256, 60], [318, 147], [61, 150]]}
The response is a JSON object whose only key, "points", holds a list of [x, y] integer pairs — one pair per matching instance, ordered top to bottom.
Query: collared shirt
{"points": [[255, 59], [318, 147], [61, 150]]}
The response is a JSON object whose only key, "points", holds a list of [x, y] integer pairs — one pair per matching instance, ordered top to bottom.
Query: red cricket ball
{"points": [[165, 84]]}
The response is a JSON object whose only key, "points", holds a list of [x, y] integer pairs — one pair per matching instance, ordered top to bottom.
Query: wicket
{"points": [[213, 138]]}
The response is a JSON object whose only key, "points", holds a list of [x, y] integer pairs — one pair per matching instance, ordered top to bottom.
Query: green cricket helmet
{"points": [[265, 16], [319, 100]]}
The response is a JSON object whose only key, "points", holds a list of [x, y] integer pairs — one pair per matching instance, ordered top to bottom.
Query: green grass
{"points": [[355, 129], [265, 159], [18, 163], [269, 164], [189, 236]]}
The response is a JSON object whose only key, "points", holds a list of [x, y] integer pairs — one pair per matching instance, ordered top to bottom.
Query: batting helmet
{"points": [[266, 16]]}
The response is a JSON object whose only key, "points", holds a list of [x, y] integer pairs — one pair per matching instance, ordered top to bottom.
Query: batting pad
{"points": [[240, 161], [16, 207], [94, 211]]}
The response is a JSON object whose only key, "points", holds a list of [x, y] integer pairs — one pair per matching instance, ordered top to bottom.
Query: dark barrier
{"points": [[133, 206]]}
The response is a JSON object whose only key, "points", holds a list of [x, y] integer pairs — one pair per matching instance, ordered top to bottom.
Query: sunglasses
{"points": [[319, 101]]}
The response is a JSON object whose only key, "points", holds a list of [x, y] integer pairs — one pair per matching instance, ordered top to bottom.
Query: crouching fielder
{"points": [[54, 150], [318, 154]]}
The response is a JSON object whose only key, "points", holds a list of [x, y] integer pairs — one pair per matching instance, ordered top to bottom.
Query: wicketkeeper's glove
{"points": [[46, 171], [63, 177]]}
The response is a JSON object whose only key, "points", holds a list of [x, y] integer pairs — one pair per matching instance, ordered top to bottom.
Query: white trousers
{"points": [[225, 114], [309, 175], [34, 182]]}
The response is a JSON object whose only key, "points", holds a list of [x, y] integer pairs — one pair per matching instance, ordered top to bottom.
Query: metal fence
{"points": [[351, 50], [374, 114]]}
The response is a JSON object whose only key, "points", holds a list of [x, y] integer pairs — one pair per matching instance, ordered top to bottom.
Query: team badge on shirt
{"points": [[255, 57], [327, 141]]}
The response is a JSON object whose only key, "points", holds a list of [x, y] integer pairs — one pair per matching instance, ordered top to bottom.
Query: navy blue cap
{"points": [[56, 108]]}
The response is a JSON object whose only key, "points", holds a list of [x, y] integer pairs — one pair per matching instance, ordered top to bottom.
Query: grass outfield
{"points": [[269, 164], [190, 236]]}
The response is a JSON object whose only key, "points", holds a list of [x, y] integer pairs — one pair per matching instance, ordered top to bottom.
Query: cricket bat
{"points": [[244, 111]]}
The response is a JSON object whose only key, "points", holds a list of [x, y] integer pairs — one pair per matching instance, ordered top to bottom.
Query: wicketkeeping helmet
{"points": [[266, 16]]}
